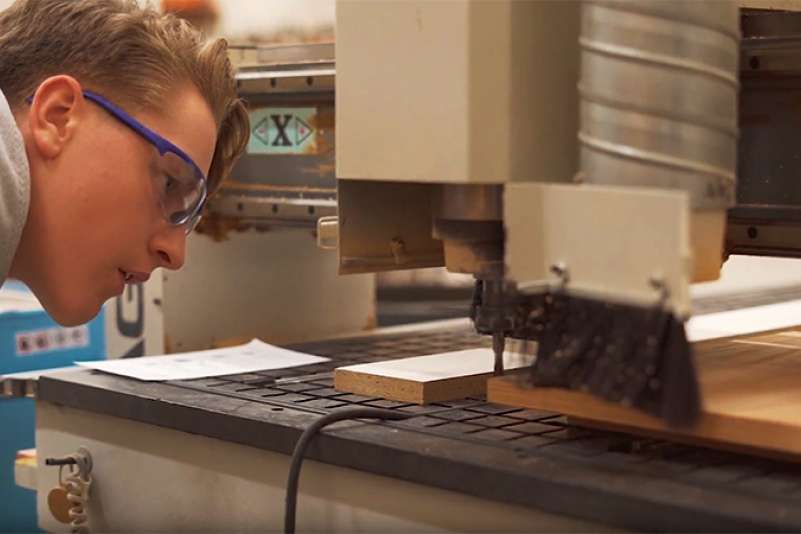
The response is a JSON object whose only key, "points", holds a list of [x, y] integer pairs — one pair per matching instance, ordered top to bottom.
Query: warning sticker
{"points": [[283, 131], [49, 339]]}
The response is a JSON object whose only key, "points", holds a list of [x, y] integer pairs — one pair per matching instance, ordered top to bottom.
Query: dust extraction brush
{"points": [[635, 356]]}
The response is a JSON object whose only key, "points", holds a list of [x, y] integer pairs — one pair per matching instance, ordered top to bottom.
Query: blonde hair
{"points": [[135, 56]]}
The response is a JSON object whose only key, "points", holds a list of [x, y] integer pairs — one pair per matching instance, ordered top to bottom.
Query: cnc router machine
{"points": [[576, 157]]}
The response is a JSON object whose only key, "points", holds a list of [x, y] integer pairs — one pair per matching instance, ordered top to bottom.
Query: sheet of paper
{"points": [[253, 356], [433, 367]]}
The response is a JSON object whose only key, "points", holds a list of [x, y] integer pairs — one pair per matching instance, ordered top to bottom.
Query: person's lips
{"points": [[134, 277]]}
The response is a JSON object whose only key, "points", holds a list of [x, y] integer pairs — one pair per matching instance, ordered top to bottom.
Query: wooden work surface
{"points": [[751, 390]]}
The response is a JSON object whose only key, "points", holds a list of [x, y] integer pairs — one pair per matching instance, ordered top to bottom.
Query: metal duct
{"points": [[658, 91]]}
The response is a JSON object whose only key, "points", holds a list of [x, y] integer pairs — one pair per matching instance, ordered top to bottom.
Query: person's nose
{"points": [[169, 246]]}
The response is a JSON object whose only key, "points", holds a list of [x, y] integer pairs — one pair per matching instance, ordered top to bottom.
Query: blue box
{"points": [[29, 341]]}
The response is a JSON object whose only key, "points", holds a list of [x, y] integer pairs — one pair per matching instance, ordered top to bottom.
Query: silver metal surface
{"points": [[309, 53], [285, 68], [308, 79], [658, 93], [284, 189], [470, 202], [276, 208], [468, 218], [328, 232]]}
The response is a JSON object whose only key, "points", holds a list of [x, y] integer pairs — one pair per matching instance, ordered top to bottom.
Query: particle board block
{"points": [[426, 379], [751, 397]]}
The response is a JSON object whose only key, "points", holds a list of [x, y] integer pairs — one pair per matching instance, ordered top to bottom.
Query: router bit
{"points": [[490, 316], [498, 332], [498, 343]]}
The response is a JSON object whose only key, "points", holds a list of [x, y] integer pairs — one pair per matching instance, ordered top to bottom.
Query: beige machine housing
{"points": [[452, 92], [433, 93]]}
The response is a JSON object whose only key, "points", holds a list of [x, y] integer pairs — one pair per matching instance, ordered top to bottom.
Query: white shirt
{"points": [[15, 187]]}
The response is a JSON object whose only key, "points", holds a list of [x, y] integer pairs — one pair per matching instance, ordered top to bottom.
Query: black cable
{"points": [[303, 443]]}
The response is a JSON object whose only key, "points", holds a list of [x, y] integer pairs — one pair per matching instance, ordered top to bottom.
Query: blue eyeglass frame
{"points": [[162, 145]]}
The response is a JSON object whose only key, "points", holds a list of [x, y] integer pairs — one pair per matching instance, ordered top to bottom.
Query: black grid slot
{"points": [[297, 387], [324, 391], [356, 399], [328, 404], [386, 404], [420, 410], [457, 414], [534, 428], [496, 434]]}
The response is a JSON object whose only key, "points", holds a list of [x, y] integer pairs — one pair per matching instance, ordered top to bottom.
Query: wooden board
{"points": [[425, 379], [751, 389]]}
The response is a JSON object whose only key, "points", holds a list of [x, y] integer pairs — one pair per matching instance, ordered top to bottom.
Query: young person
{"points": [[116, 124]]}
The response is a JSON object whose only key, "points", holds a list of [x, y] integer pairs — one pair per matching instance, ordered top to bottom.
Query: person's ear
{"points": [[55, 111]]}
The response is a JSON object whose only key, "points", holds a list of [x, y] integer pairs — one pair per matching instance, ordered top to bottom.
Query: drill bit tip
{"points": [[498, 345]]}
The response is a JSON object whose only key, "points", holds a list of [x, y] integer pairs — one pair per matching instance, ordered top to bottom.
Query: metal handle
{"points": [[328, 232], [82, 459]]}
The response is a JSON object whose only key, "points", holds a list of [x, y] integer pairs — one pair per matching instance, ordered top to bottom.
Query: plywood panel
{"points": [[751, 389]]}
